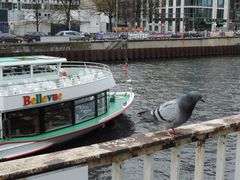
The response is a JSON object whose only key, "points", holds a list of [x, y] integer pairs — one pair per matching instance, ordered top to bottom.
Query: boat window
{"points": [[51, 68], [38, 69], [42, 69], [9, 71], [101, 103], [85, 109], [58, 116], [24, 123]]}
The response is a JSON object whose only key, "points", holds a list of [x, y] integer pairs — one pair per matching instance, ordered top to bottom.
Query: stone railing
{"points": [[116, 152]]}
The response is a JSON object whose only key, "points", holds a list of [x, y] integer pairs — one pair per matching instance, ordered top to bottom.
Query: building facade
{"points": [[188, 15], [49, 16]]}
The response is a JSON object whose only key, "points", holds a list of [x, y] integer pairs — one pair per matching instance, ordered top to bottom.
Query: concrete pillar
{"points": [[226, 11], [214, 14], [167, 15], [174, 17], [147, 18], [182, 29]]}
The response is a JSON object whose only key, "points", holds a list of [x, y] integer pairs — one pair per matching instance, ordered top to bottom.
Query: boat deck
{"points": [[72, 74]]}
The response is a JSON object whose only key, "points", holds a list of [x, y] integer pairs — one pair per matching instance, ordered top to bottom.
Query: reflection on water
{"points": [[218, 80]]}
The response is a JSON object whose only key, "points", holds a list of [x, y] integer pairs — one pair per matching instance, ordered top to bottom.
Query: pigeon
{"points": [[176, 112]]}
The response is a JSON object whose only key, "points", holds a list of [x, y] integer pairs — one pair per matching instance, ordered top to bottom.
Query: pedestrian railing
{"points": [[116, 152]]}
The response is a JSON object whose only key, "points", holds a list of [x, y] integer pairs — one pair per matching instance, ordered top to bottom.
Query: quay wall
{"points": [[132, 50], [116, 153]]}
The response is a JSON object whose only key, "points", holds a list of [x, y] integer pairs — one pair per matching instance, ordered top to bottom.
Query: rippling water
{"points": [[218, 80]]}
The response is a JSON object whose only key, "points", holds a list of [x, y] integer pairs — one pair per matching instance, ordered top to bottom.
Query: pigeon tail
{"points": [[146, 114]]}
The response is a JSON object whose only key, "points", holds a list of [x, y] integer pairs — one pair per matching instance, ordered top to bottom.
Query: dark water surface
{"points": [[218, 80]]}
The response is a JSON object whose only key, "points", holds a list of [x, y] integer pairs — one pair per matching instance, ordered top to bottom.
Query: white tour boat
{"points": [[47, 100]]}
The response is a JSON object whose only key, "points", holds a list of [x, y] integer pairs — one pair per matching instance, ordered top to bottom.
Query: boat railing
{"points": [[87, 65], [77, 73], [117, 154]]}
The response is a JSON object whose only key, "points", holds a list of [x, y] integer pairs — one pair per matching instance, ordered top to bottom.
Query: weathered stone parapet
{"points": [[118, 150]]}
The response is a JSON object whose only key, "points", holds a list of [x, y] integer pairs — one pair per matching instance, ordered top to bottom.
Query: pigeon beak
{"points": [[202, 100]]}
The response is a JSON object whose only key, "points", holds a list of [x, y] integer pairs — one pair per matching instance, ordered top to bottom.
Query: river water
{"points": [[218, 80]]}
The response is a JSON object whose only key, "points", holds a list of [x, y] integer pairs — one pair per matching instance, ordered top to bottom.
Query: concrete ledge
{"points": [[118, 150]]}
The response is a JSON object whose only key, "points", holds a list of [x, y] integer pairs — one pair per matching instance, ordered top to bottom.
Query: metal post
{"points": [[116, 25], [221, 151], [199, 160], [175, 163], [237, 165], [148, 167], [117, 170]]}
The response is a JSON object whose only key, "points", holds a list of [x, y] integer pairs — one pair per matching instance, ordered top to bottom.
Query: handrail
{"points": [[86, 65], [96, 71], [115, 152]]}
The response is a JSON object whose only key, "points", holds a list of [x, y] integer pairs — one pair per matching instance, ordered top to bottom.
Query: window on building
{"points": [[178, 2], [163, 3], [198, 3], [207, 3], [220, 3], [170, 13], [163, 14], [178, 14], [220, 14], [156, 15], [144, 24], [150, 28], [57, 116], [23, 123]]}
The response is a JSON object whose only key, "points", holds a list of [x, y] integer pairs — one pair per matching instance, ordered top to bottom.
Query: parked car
{"points": [[237, 33], [73, 35], [87, 35], [33, 36], [9, 38]]}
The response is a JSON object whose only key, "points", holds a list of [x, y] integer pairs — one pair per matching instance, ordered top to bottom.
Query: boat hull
{"points": [[13, 150]]}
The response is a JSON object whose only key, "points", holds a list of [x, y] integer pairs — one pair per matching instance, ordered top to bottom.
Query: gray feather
{"points": [[176, 112]]}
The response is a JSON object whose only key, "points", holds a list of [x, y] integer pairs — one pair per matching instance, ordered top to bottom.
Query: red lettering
{"points": [[54, 97], [26, 100]]}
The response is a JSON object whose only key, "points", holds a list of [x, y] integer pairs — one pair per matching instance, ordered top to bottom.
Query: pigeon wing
{"points": [[170, 111]]}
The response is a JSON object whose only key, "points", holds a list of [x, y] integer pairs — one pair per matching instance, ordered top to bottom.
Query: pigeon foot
{"points": [[174, 133]]}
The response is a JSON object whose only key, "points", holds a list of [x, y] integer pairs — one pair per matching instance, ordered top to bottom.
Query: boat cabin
{"points": [[23, 68], [36, 98]]}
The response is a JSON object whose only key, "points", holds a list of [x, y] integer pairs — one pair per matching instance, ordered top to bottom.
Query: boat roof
{"points": [[25, 60]]}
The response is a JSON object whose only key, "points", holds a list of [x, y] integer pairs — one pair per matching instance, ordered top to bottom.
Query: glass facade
{"points": [[198, 2], [220, 3], [198, 13]]}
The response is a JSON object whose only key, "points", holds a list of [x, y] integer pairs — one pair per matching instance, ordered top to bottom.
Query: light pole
{"points": [[116, 25]]}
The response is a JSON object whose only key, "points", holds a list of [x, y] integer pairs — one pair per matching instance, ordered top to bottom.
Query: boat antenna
{"points": [[125, 67]]}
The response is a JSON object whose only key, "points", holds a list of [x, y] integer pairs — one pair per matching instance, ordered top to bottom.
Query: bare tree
{"points": [[36, 7], [66, 7], [108, 7]]}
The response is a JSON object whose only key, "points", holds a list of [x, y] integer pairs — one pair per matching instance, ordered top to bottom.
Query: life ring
{"points": [[63, 72]]}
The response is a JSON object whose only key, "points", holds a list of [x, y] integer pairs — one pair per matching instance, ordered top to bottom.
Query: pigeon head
{"points": [[194, 96], [189, 101]]}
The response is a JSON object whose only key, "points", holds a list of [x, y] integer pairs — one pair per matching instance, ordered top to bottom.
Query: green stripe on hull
{"points": [[115, 107]]}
